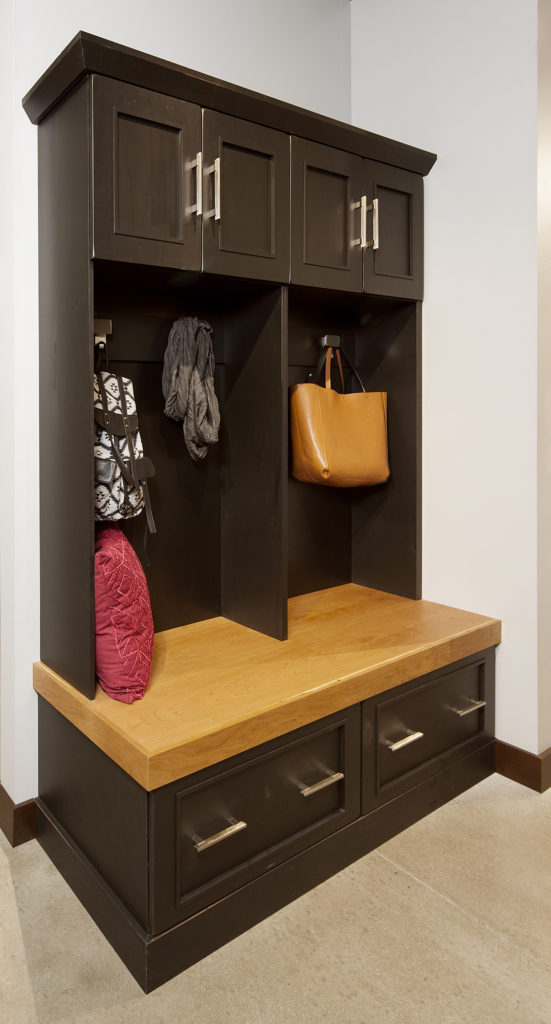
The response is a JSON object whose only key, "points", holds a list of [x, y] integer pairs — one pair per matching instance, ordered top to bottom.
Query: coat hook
{"points": [[101, 329], [331, 341]]}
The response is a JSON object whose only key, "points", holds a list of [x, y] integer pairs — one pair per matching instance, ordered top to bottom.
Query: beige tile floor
{"points": [[448, 922]]}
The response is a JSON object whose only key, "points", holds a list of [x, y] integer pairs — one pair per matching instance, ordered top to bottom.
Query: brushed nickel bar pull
{"points": [[197, 165], [215, 169], [217, 188], [199, 193], [359, 206], [374, 208], [363, 222], [474, 705], [411, 737], [322, 784], [218, 837]]}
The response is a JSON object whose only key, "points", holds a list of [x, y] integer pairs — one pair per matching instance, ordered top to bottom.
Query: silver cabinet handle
{"points": [[197, 166], [215, 169], [217, 188], [199, 193], [361, 206], [373, 207], [363, 222], [473, 705], [411, 737], [329, 780], [218, 837]]}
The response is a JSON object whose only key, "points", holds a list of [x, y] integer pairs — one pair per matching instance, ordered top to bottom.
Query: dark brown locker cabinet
{"points": [[145, 176], [245, 199], [325, 217], [392, 245], [254, 768]]}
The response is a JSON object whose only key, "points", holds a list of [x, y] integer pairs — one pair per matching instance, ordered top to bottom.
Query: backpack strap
{"points": [[128, 435], [135, 463]]}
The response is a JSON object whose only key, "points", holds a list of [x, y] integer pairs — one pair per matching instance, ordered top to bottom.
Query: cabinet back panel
{"points": [[319, 517], [319, 538], [184, 555]]}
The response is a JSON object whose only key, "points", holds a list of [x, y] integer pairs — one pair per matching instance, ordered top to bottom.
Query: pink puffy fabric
{"points": [[124, 624]]}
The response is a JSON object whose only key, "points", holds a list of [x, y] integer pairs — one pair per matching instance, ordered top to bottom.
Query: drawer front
{"points": [[423, 726], [227, 827]]}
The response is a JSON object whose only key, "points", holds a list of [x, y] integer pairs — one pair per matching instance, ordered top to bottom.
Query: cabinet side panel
{"points": [[66, 366], [254, 490], [386, 520], [102, 809]]}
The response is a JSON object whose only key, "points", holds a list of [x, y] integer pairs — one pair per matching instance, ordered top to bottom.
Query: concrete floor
{"points": [[449, 922]]}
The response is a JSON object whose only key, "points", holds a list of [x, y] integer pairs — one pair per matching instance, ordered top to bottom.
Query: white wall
{"points": [[283, 48], [459, 77], [544, 368]]}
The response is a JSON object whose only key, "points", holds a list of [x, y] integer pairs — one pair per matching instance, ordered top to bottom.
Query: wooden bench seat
{"points": [[218, 688]]}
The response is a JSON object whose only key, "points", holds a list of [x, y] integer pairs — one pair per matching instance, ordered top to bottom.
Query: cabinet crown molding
{"points": [[88, 54]]}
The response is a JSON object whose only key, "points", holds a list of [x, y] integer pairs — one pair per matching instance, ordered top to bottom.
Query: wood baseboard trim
{"points": [[532, 770], [17, 821]]}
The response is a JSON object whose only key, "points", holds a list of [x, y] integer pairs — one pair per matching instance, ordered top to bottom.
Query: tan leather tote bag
{"points": [[339, 440]]}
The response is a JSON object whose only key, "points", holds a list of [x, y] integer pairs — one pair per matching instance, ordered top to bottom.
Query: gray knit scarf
{"points": [[188, 384]]}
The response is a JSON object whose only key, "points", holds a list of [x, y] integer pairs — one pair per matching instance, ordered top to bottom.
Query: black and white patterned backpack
{"points": [[121, 469]]}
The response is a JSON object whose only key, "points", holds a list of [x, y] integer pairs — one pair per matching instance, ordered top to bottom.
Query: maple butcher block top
{"points": [[218, 688]]}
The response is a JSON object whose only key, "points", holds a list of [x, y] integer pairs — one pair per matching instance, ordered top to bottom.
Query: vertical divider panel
{"points": [[66, 368], [254, 476], [386, 520]]}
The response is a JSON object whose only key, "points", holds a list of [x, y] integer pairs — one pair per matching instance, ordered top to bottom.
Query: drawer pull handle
{"points": [[473, 705], [411, 737], [322, 784], [231, 830]]}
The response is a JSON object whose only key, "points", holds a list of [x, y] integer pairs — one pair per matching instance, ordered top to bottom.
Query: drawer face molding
{"points": [[425, 725], [259, 810]]}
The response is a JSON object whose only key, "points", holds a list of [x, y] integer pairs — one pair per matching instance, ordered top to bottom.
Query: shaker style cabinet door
{"points": [[145, 176], [245, 199], [325, 217], [393, 229]]}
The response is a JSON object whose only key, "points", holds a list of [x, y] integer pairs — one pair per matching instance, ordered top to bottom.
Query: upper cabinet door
{"points": [[145, 176], [245, 199], [325, 216], [393, 265]]}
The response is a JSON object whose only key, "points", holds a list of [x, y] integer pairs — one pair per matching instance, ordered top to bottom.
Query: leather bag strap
{"points": [[326, 358]]}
